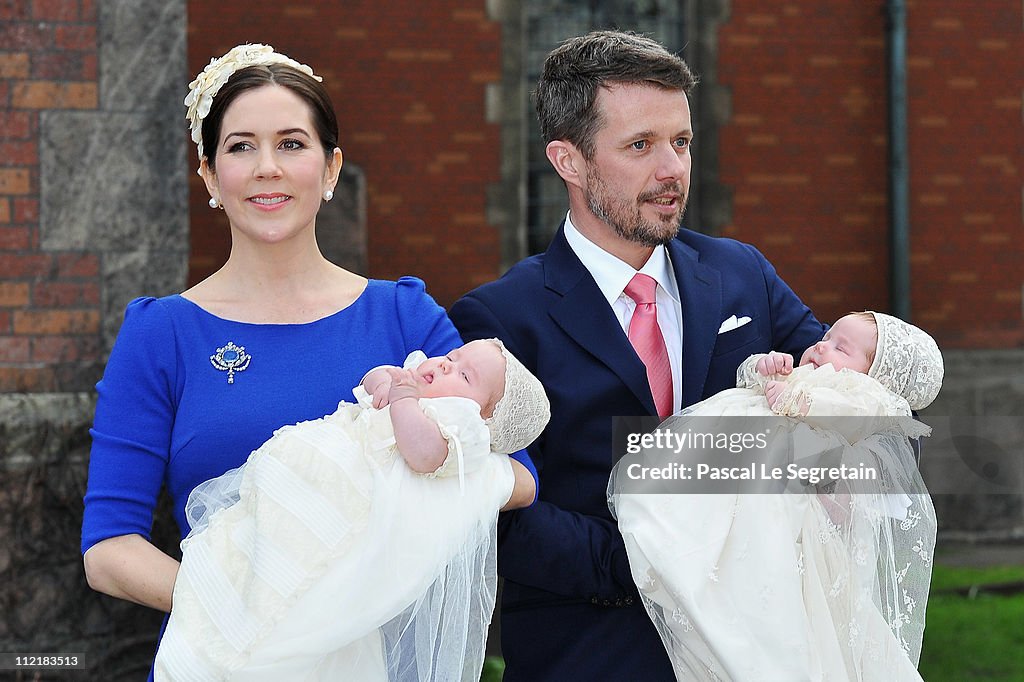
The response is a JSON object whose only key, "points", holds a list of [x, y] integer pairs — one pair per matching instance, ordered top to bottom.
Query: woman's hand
{"points": [[525, 489], [130, 567]]}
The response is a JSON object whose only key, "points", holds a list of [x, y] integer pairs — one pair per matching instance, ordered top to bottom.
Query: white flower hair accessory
{"points": [[207, 84]]}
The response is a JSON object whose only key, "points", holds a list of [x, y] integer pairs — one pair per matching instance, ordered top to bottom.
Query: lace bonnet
{"points": [[207, 84], [907, 361], [523, 410]]}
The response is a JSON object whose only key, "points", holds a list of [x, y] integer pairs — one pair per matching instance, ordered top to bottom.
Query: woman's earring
{"points": [[328, 194], [213, 203]]}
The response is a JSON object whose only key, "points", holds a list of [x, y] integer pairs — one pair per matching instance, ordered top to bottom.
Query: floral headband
{"points": [[204, 88]]}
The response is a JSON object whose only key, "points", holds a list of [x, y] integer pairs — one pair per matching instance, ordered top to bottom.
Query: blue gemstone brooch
{"points": [[231, 359]]}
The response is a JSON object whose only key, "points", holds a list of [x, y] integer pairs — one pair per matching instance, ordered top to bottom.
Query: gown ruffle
{"points": [[325, 557], [791, 586]]}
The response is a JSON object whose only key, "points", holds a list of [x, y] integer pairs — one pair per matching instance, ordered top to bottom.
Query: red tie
{"points": [[645, 335]]}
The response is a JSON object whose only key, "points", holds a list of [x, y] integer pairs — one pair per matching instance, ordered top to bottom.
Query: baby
{"points": [[848, 344], [869, 365], [909, 368], [480, 371], [330, 552], [800, 586]]}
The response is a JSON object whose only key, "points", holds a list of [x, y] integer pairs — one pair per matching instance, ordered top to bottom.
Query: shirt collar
{"points": [[612, 274]]}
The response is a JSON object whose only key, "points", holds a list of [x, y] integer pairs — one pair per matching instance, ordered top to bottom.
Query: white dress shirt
{"points": [[612, 275]]}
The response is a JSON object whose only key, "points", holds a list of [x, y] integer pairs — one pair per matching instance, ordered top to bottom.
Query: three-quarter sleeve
{"points": [[424, 324], [131, 432]]}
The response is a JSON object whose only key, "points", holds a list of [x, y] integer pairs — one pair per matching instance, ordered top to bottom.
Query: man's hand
{"points": [[775, 363]]}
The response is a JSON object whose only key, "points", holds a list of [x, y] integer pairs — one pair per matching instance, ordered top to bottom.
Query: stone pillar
{"points": [[114, 180], [112, 185], [710, 205], [341, 223], [973, 462]]}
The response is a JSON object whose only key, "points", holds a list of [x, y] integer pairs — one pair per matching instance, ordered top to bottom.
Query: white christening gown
{"points": [[325, 557], [791, 587]]}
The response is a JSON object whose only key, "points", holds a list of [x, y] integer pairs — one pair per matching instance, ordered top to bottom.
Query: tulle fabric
{"points": [[325, 557], [790, 586]]}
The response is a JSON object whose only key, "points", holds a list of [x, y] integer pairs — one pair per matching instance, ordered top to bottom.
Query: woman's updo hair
{"points": [[307, 88]]}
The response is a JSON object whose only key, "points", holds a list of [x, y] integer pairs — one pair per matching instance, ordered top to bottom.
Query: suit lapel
{"points": [[700, 291], [584, 314]]}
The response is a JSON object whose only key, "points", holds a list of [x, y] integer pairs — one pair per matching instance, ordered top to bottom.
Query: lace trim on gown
{"points": [[267, 532], [838, 580]]}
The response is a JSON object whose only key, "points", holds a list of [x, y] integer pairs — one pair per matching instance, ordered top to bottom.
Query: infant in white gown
{"points": [[327, 557], [825, 584]]}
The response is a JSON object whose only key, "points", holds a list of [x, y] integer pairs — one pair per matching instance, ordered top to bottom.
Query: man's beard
{"points": [[626, 220]]}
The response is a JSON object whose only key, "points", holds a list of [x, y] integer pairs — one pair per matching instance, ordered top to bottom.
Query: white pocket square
{"points": [[733, 323]]}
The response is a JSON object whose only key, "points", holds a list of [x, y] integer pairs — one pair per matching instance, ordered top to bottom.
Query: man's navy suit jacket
{"points": [[570, 610]]}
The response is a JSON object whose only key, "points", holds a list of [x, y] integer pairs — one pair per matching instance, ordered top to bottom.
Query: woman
{"points": [[278, 335], [333, 511]]}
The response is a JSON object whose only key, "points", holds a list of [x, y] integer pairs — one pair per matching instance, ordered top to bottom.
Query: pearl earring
{"points": [[328, 195], [213, 203]]}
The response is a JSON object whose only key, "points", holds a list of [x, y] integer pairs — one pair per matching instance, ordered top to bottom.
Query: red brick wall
{"points": [[408, 81], [965, 84], [804, 152], [806, 155], [49, 301]]}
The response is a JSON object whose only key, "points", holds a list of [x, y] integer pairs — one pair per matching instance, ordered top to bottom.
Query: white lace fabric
{"points": [[208, 83], [907, 361], [852, 403], [523, 410], [325, 557], [826, 585]]}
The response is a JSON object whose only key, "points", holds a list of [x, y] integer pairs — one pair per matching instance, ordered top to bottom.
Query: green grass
{"points": [[947, 577], [973, 639], [965, 640], [494, 667]]}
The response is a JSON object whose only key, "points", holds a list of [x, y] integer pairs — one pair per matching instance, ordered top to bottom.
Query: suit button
{"points": [[593, 600], [629, 601], [618, 602], [606, 603]]}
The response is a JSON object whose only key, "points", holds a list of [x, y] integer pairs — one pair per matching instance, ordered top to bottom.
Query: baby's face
{"points": [[849, 344], [475, 371]]}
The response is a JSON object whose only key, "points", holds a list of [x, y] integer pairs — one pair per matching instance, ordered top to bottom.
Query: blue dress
{"points": [[187, 395], [168, 412]]}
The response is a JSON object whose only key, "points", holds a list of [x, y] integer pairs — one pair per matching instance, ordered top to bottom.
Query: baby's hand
{"points": [[775, 363], [378, 383], [403, 384], [772, 391]]}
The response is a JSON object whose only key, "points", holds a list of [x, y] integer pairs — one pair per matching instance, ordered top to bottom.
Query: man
{"points": [[614, 113]]}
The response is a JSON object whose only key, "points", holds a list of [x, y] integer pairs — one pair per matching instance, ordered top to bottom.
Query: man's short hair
{"points": [[574, 71]]}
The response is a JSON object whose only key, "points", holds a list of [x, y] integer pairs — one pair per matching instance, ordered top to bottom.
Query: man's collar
{"points": [[612, 274]]}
